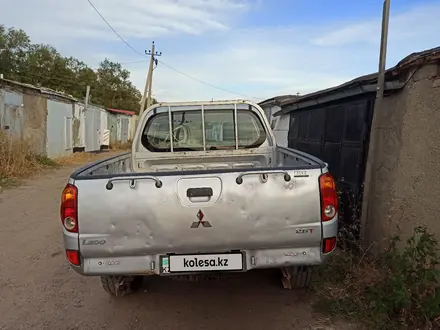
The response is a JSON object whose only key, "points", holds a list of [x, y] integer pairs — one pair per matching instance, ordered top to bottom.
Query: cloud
{"points": [[131, 18], [418, 22], [209, 40]]}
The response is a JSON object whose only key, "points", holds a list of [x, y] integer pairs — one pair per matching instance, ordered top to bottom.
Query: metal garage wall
{"points": [[11, 113], [133, 122], [112, 124], [123, 125], [79, 126], [93, 128], [59, 129], [338, 134], [105, 138]]}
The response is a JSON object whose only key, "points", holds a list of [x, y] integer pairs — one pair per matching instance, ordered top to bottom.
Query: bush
{"points": [[17, 160], [397, 290]]}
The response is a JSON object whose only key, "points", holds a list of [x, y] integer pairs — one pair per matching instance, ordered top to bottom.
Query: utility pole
{"points": [[383, 50], [149, 82], [86, 100], [370, 177]]}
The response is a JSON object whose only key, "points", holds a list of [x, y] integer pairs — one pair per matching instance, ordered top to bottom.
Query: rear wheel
{"points": [[299, 277], [121, 285]]}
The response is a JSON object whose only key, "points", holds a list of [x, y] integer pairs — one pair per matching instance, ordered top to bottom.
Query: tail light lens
{"points": [[329, 197], [69, 208], [329, 244], [73, 257]]}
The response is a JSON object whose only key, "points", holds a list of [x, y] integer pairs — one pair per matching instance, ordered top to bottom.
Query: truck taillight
{"points": [[329, 197], [69, 208], [329, 244], [73, 257]]}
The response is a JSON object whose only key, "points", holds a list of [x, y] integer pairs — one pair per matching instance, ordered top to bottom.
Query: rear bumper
{"points": [[252, 259], [151, 264]]}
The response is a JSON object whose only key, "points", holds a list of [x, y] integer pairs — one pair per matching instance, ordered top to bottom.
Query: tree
{"points": [[14, 45], [42, 65]]}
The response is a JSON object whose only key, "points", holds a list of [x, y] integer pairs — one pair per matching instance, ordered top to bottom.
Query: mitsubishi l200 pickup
{"points": [[204, 190]]}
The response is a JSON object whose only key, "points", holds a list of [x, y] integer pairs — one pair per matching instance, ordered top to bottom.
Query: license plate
{"points": [[205, 262]]}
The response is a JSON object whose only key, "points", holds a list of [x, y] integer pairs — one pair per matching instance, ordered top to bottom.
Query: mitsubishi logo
{"points": [[200, 216]]}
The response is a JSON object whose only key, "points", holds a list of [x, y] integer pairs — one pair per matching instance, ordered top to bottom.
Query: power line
{"points": [[111, 27], [168, 66], [206, 83]]}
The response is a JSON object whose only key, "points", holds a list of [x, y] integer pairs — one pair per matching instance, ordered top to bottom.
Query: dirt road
{"points": [[39, 291]]}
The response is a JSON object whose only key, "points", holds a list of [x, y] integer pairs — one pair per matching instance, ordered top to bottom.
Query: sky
{"points": [[253, 49]]}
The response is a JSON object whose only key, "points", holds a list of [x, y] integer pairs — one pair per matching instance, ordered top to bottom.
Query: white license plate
{"points": [[205, 262]]}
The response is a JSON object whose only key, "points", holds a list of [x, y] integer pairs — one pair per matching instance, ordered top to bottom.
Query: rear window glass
{"points": [[187, 130]]}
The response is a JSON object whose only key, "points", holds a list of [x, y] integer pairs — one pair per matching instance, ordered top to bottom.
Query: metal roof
{"points": [[41, 90], [279, 100], [125, 112]]}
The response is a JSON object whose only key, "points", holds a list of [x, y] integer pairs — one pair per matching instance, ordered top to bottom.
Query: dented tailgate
{"points": [[199, 213]]}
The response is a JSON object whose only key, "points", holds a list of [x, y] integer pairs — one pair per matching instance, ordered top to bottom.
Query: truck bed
{"points": [[123, 164]]}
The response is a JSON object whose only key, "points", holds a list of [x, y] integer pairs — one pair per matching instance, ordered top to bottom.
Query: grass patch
{"points": [[78, 158], [81, 158], [17, 160], [46, 161], [8, 182], [396, 290]]}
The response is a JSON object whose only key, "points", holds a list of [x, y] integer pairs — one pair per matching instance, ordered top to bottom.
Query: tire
{"points": [[300, 277], [120, 285]]}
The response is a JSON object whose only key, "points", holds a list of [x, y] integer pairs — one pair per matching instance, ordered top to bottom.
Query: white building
{"points": [[280, 123]]}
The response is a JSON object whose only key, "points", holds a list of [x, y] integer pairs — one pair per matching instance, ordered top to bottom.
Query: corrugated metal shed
{"points": [[279, 100], [11, 112], [125, 112], [58, 122], [112, 123], [120, 123], [133, 123], [79, 127], [93, 127], [59, 128], [123, 128]]}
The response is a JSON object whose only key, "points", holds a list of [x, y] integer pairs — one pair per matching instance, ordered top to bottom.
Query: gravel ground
{"points": [[38, 290]]}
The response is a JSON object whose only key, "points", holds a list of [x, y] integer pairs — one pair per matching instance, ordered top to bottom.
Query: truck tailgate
{"points": [[198, 213]]}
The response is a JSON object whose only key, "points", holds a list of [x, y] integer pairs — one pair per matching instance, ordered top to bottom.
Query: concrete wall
{"points": [[23, 115], [35, 121], [405, 164]]}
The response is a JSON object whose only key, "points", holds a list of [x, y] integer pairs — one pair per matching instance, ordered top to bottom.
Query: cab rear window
{"points": [[188, 126]]}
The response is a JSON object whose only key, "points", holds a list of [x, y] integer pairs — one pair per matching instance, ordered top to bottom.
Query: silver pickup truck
{"points": [[204, 190]]}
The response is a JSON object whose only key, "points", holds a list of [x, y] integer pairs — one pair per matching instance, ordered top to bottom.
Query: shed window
{"points": [[187, 130]]}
